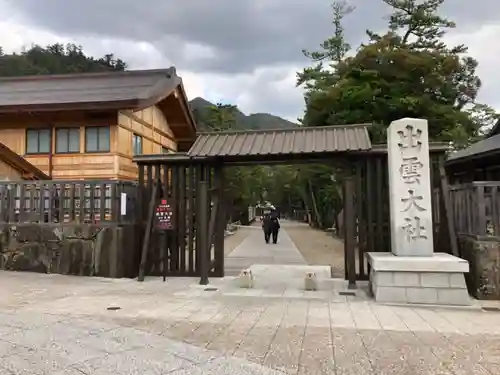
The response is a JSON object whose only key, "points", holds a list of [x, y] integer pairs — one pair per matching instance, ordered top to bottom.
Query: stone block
{"points": [[439, 262], [383, 278], [405, 279], [434, 280], [457, 280], [390, 294], [422, 295], [455, 296]]}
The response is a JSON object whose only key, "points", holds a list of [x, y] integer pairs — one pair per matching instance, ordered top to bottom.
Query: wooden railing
{"points": [[91, 202], [476, 208]]}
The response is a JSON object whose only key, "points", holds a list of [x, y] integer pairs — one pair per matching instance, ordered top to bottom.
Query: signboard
{"points": [[123, 204], [163, 216]]}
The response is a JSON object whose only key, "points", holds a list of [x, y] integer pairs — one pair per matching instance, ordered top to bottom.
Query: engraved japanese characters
{"points": [[410, 188]]}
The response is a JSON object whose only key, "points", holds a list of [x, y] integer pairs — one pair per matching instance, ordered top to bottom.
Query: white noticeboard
{"points": [[123, 204]]}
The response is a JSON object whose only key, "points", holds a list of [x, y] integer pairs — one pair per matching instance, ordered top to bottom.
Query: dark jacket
{"points": [[266, 223], [275, 223]]}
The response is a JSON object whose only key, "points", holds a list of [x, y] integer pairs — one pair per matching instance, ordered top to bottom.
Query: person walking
{"points": [[275, 226], [267, 227]]}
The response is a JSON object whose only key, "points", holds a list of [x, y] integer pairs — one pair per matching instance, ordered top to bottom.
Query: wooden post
{"points": [[448, 210], [361, 218], [220, 224], [202, 231], [147, 234], [349, 243], [165, 250]]}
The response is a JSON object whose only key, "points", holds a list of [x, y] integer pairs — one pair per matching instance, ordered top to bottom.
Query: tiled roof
{"points": [[126, 89], [299, 140], [474, 150]]}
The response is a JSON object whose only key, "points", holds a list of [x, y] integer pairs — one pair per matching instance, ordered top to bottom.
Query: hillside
{"points": [[253, 121]]}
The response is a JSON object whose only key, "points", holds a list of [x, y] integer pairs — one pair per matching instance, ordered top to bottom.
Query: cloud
{"points": [[483, 46], [244, 52]]}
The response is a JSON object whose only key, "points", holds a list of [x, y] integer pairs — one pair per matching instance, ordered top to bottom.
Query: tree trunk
{"points": [[304, 199], [319, 220]]}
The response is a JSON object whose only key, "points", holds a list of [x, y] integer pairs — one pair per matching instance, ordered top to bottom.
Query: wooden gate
{"points": [[191, 241]]}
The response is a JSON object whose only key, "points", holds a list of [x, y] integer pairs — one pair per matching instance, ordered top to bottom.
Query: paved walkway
{"points": [[253, 250], [52, 324], [56, 345]]}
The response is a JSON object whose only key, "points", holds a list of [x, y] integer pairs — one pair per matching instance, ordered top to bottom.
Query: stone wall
{"points": [[84, 250], [483, 254]]}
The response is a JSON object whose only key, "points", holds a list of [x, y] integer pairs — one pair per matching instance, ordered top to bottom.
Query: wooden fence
{"points": [[68, 202], [476, 208], [194, 245]]}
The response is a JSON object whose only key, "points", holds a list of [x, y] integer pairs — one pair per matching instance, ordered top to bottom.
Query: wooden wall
{"points": [[149, 123], [152, 126], [7, 172]]}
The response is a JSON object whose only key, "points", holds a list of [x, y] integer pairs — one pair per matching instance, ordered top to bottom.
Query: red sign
{"points": [[163, 216]]}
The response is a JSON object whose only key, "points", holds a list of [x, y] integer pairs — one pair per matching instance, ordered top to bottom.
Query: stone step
{"points": [[289, 276]]}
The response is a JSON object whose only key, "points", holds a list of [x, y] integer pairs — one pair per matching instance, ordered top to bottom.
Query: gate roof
{"points": [[282, 142]]}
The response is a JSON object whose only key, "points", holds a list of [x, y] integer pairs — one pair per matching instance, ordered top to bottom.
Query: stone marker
{"points": [[410, 188], [412, 272], [245, 279], [310, 281]]}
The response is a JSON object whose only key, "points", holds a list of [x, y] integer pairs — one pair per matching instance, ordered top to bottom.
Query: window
{"points": [[97, 139], [67, 140], [38, 141], [137, 144]]}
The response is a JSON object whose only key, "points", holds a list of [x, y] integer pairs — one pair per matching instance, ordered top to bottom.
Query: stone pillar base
{"points": [[437, 280]]}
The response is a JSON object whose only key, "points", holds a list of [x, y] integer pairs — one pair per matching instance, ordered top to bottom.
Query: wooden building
{"points": [[91, 125], [478, 162], [14, 167]]}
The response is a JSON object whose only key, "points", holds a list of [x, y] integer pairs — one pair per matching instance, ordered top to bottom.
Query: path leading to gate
{"points": [[253, 250]]}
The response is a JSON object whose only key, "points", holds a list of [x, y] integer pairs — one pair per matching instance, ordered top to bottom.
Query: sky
{"points": [[243, 52]]}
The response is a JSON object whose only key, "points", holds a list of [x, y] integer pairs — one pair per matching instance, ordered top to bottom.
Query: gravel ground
{"points": [[231, 242], [318, 247]]}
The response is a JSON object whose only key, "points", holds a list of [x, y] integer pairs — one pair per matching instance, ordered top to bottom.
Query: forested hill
{"points": [[56, 59], [60, 59], [201, 109]]}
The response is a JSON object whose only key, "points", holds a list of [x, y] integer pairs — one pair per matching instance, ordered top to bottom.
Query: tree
{"points": [[56, 59], [406, 72], [322, 74], [221, 117], [319, 186]]}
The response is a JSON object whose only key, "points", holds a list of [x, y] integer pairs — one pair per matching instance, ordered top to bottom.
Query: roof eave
{"points": [[181, 97], [75, 106], [472, 157], [21, 164]]}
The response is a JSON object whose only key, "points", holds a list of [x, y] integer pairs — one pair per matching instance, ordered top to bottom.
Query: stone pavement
{"points": [[253, 250], [53, 324], [49, 344]]}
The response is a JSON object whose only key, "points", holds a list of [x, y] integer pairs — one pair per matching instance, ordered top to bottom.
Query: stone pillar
{"points": [[410, 188], [412, 272]]}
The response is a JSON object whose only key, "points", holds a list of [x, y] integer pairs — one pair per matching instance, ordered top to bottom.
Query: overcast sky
{"points": [[244, 52]]}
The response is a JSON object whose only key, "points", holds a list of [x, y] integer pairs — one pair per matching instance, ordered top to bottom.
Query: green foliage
{"points": [[56, 59], [406, 72], [322, 74], [221, 117], [254, 121]]}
